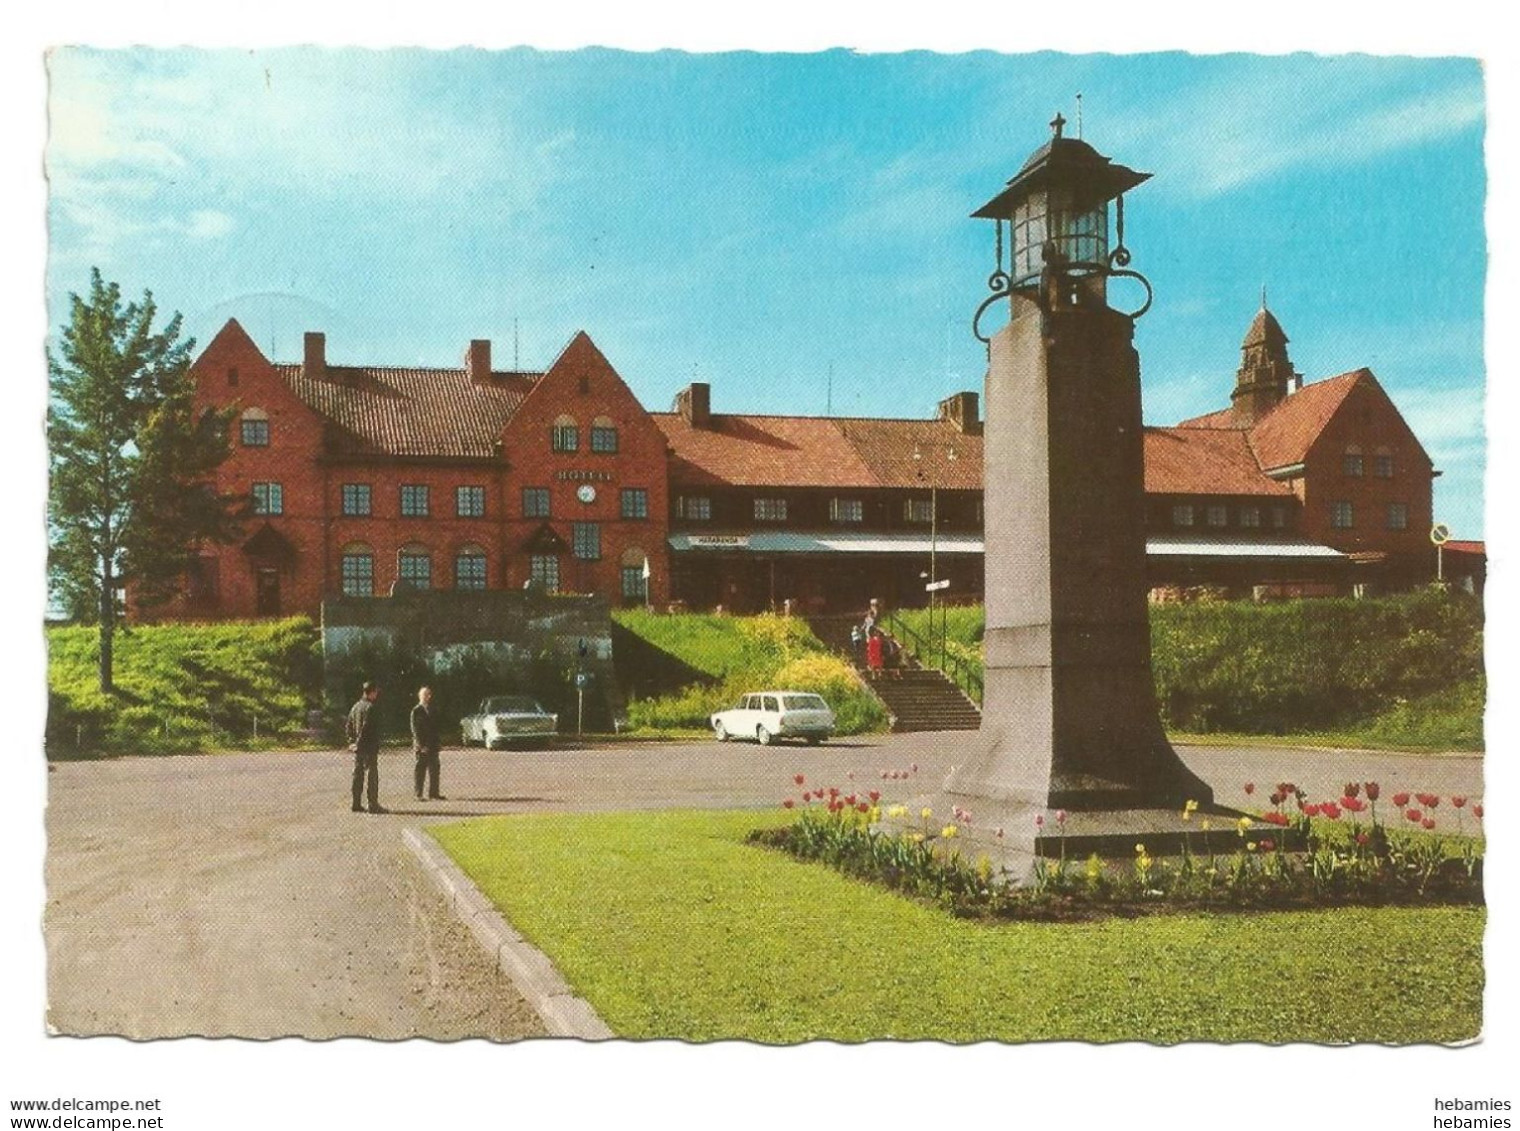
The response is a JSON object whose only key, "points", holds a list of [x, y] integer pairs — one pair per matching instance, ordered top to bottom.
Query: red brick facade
{"points": [[373, 478], [364, 497]]}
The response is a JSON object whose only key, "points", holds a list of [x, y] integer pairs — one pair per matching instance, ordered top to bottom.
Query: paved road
{"points": [[237, 895]]}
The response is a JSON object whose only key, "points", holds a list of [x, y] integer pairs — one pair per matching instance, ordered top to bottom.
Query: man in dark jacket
{"points": [[363, 729], [425, 744]]}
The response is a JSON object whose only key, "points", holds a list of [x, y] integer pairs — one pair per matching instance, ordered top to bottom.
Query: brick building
{"points": [[368, 478]]}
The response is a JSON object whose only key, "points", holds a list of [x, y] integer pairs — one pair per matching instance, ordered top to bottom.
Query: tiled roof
{"points": [[412, 412], [1284, 436], [804, 451], [1204, 461], [1460, 547]]}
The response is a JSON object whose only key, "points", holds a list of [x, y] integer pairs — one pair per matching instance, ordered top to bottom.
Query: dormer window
{"points": [[253, 428]]}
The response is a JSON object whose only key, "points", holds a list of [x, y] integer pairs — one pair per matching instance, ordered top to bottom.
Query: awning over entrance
{"points": [[830, 542], [862, 542], [1236, 548]]}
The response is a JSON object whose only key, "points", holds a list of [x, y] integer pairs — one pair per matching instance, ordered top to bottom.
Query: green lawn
{"points": [[671, 926]]}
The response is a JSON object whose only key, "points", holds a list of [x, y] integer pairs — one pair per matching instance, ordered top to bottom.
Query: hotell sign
{"points": [[584, 476]]}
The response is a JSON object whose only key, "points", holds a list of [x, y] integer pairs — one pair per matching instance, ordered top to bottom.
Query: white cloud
{"points": [[1252, 122], [208, 224], [1449, 421]]}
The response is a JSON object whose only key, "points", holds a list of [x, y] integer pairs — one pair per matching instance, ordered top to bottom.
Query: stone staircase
{"points": [[917, 698], [924, 699]]}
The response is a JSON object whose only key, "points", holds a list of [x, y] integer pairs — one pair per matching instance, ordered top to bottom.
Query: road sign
{"points": [[1440, 534], [933, 585]]}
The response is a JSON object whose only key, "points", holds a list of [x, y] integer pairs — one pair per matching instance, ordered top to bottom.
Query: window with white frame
{"points": [[253, 428], [564, 435], [604, 435], [1351, 462], [268, 498], [356, 499], [414, 500], [469, 501], [535, 502], [634, 503], [697, 508], [770, 510], [846, 510], [918, 510], [1182, 515], [1217, 515], [1341, 515], [1398, 516], [1250, 517], [586, 541], [414, 568], [470, 568], [357, 569], [543, 572]]}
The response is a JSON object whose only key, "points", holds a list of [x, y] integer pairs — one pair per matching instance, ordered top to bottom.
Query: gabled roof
{"points": [[380, 410], [1283, 437], [811, 451], [1204, 461]]}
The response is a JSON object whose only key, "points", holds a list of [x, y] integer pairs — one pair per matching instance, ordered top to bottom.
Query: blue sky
{"points": [[760, 220]]}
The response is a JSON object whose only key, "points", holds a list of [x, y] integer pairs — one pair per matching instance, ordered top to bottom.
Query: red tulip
{"points": [[915, 767], [799, 779], [1250, 788], [1352, 789], [1372, 791], [833, 792], [874, 795], [1276, 798], [849, 799], [1401, 799], [1429, 800], [1458, 800], [788, 803], [1353, 804], [863, 807], [1331, 809], [1311, 810], [1478, 811], [1414, 815], [1061, 816], [1039, 821], [1428, 823], [1362, 838], [1267, 846]]}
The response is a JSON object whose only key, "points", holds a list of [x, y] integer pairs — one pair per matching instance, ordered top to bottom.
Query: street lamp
{"points": [[1056, 211], [951, 455]]}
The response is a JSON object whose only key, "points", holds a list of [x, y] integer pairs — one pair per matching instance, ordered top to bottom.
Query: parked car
{"points": [[767, 716], [505, 720]]}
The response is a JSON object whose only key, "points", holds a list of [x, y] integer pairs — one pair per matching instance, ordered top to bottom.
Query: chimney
{"points": [[314, 360], [477, 361], [694, 403], [963, 411]]}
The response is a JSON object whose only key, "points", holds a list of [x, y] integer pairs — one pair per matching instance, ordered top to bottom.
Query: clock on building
{"points": [[586, 493]]}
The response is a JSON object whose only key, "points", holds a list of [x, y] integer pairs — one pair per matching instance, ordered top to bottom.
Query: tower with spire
{"points": [[1266, 375]]}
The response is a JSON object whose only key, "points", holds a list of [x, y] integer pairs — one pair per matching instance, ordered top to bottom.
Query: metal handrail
{"points": [[957, 670]]}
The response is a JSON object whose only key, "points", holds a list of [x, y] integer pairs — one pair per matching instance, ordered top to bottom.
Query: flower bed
{"points": [[1349, 858]]}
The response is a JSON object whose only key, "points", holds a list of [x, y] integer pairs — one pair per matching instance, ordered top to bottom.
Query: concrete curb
{"points": [[563, 1014]]}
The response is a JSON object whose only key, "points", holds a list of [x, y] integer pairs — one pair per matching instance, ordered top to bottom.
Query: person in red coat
{"points": [[875, 648]]}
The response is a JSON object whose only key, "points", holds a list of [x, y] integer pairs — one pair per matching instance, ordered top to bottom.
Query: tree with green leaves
{"points": [[131, 490]]}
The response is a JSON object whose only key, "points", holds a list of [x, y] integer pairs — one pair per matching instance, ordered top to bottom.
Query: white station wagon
{"points": [[770, 715], [506, 720]]}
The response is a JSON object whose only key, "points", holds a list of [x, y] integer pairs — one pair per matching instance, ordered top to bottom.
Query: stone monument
{"points": [[1070, 725]]}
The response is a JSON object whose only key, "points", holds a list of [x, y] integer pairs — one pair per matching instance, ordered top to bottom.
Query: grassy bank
{"points": [[733, 655], [1404, 671], [182, 687], [671, 926]]}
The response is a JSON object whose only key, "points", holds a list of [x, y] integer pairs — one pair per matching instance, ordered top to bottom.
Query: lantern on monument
{"points": [[1056, 212]]}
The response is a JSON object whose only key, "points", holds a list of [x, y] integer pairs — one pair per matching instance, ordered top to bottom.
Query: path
{"points": [[236, 894]]}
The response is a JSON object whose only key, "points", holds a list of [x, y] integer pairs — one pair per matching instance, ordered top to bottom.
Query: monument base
{"points": [[1013, 834]]}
